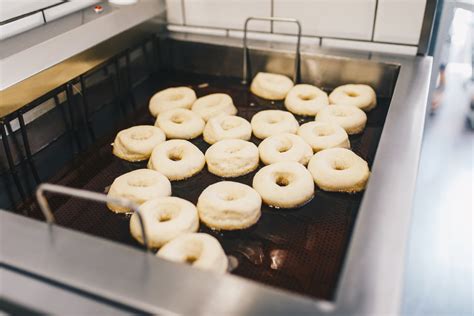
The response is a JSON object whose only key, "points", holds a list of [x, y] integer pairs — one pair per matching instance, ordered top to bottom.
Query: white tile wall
{"points": [[13, 8], [174, 11], [229, 14], [331, 18], [399, 21], [22, 25], [369, 46]]}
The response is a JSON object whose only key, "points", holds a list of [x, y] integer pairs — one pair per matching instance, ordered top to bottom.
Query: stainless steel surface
{"points": [[427, 27], [68, 36], [246, 50], [86, 195], [373, 271]]}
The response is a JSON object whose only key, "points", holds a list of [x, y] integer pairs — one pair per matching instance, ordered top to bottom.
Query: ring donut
{"points": [[271, 86], [359, 95], [171, 98], [305, 99], [214, 105], [349, 117], [273, 122], [180, 123], [227, 127], [323, 135], [137, 142], [284, 147], [230, 158], [177, 159], [339, 170], [284, 184], [138, 186], [229, 205], [164, 218], [197, 249]]}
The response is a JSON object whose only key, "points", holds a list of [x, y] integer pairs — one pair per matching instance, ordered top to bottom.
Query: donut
{"points": [[271, 86], [360, 95], [171, 98], [305, 99], [214, 105], [349, 117], [272, 122], [180, 123], [227, 127], [323, 135], [137, 142], [284, 147], [230, 158], [177, 159], [339, 170], [284, 184], [138, 186], [229, 205], [164, 218], [197, 249]]}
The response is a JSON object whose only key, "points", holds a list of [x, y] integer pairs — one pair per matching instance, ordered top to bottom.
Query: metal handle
{"points": [[276, 19], [86, 195]]}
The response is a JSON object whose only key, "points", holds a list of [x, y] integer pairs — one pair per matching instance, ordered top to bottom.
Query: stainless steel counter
{"points": [[372, 276]]}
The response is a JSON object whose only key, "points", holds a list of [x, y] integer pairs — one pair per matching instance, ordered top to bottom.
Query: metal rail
{"points": [[245, 66], [85, 195]]}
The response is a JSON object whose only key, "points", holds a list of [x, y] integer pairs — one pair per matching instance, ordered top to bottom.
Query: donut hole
{"points": [[352, 94], [175, 97], [307, 97], [339, 112], [178, 119], [274, 119], [229, 124], [323, 131], [142, 135], [284, 146], [233, 149], [175, 155], [340, 165], [283, 179], [140, 183], [232, 196], [165, 217], [192, 251]]}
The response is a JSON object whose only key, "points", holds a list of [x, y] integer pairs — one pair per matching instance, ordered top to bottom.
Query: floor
{"points": [[439, 271]]}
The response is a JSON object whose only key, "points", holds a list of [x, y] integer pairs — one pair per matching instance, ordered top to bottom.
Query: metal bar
{"points": [[427, 27], [296, 76], [117, 90], [70, 101], [86, 108], [26, 144], [11, 164], [85, 195]]}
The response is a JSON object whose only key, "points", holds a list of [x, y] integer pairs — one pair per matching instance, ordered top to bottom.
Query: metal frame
{"points": [[427, 27], [245, 64], [372, 276]]}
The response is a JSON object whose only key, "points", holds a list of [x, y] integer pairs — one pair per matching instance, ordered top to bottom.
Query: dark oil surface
{"points": [[300, 250]]}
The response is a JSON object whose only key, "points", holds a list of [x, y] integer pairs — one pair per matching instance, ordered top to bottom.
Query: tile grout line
{"points": [[183, 12], [271, 14], [375, 19]]}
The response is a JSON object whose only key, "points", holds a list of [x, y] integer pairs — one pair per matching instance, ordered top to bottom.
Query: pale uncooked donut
{"points": [[271, 86], [360, 95], [172, 98], [305, 99], [214, 105], [349, 117], [273, 122], [180, 123], [227, 127], [323, 135], [137, 142], [284, 147], [232, 158], [177, 159], [339, 170], [284, 184], [138, 186], [229, 205], [164, 218], [197, 249]]}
